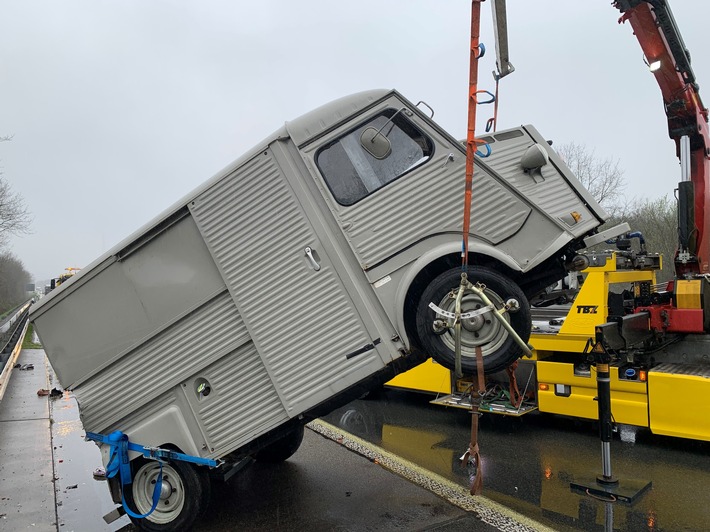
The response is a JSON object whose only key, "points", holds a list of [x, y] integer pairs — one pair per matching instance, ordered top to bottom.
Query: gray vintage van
{"points": [[297, 277]]}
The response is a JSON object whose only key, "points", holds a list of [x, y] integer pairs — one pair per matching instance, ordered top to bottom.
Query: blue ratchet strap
{"points": [[119, 464]]}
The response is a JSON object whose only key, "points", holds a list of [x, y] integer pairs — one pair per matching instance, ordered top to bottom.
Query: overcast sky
{"points": [[119, 108]]}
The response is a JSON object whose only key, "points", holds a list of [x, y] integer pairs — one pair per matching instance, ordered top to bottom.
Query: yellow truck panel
{"points": [[688, 293], [429, 376], [574, 395], [678, 402]]}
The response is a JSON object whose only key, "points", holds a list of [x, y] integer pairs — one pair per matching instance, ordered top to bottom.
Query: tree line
{"points": [[14, 220]]}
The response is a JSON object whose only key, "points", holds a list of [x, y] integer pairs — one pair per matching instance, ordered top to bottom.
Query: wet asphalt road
{"points": [[528, 464], [324, 486]]}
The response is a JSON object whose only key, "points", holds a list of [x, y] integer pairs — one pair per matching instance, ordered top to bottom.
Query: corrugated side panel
{"points": [[553, 195], [431, 198], [302, 321], [161, 363], [233, 413]]}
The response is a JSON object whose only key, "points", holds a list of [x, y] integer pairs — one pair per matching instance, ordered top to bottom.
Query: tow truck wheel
{"points": [[499, 348], [281, 449], [184, 495]]}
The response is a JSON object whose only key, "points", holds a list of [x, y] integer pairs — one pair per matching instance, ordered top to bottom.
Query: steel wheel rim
{"points": [[484, 330], [172, 496]]}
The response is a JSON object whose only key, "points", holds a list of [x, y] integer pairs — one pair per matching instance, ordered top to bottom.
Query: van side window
{"points": [[352, 172]]}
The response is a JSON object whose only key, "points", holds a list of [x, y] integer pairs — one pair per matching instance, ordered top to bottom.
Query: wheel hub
{"points": [[475, 324], [481, 330], [166, 489], [172, 492]]}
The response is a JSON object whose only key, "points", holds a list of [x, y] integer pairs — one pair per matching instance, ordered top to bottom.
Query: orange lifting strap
{"points": [[471, 135], [473, 453]]}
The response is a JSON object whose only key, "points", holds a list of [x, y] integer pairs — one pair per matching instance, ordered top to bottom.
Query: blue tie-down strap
{"points": [[119, 464]]}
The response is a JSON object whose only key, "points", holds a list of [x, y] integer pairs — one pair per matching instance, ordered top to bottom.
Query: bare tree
{"points": [[603, 178], [14, 217], [655, 219], [13, 281]]}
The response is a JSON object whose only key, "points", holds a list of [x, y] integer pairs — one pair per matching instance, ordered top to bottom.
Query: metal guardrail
{"points": [[12, 332]]}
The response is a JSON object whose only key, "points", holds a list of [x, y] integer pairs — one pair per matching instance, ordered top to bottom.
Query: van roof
{"points": [[317, 122], [302, 130]]}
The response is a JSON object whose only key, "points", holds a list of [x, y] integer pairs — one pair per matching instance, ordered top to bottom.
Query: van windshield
{"points": [[352, 173]]}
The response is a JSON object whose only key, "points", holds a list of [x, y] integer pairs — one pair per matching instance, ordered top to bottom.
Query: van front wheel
{"points": [[499, 348]]}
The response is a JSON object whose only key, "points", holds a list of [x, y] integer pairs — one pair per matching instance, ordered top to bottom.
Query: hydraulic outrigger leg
{"points": [[607, 487]]}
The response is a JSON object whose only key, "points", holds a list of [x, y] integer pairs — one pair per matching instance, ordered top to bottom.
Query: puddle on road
{"points": [[64, 428], [528, 463], [81, 500]]}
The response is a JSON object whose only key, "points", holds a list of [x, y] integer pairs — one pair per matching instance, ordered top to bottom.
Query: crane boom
{"points": [[654, 26]]}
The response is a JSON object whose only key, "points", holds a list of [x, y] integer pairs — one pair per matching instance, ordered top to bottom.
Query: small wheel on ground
{"points": [[499, 348], [283, 448], [184, 494]]}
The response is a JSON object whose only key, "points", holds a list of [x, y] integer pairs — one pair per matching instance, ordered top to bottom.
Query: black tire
{"points": [[499, 348], [283, 448], [186, 495]]}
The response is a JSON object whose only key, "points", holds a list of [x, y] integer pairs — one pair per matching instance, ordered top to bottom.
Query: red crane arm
{"points": [[655, 28]]}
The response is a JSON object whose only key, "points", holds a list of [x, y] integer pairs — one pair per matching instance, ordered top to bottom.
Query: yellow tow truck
{"points": [[68, 274], [658, 338], [560, 377]]}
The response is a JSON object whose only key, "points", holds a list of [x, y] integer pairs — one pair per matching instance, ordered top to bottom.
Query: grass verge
{"points": [[28, 343]]}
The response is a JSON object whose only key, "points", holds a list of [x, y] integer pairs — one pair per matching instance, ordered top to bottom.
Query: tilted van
{"points": [[298, 277]]}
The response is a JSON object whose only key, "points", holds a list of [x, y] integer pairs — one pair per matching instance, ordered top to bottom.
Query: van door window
{"points": [[352, 172]]}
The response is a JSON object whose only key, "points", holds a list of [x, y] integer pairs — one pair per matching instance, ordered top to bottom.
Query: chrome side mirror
{"points": [[375, 143]]}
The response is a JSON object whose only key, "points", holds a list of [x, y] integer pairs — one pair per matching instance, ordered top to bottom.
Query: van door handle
{"points": [[450, 157], [314, 262]]}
